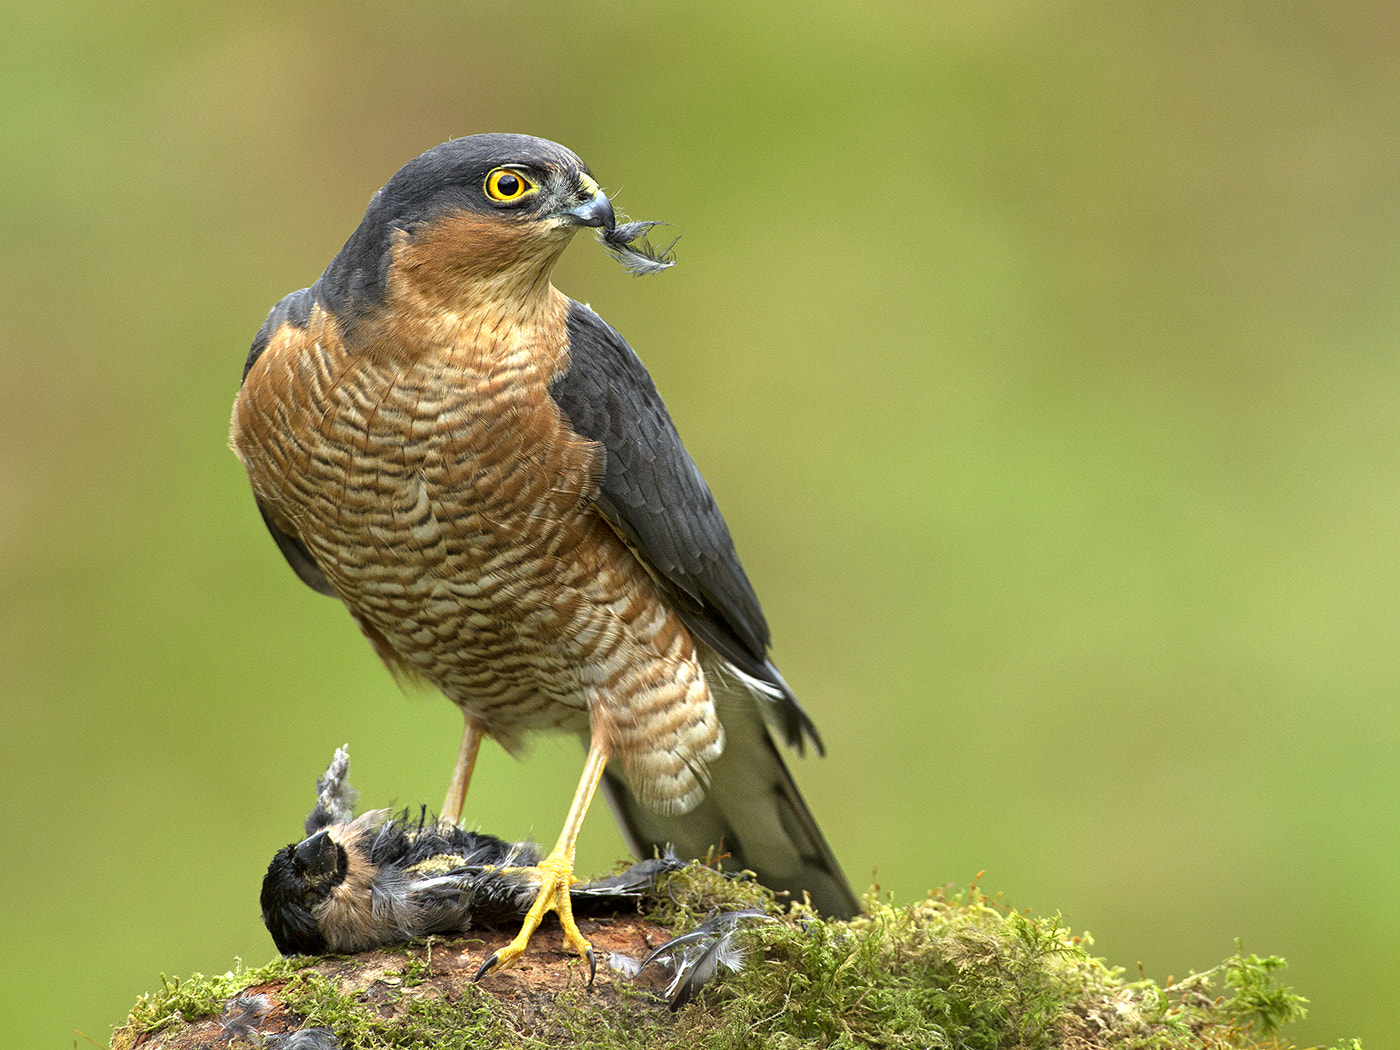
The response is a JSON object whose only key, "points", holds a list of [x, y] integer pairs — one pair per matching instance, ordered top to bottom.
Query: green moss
{"points": [[686, 897], [954, 970], [958, 971], [180, 1001], [420, 1021]]}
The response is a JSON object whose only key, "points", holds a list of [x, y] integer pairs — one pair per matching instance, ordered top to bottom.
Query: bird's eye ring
{"points": [[507, 185]]}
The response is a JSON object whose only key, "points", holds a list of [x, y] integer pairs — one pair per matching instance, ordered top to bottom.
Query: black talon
{"points": [[592, 966], [487, 967]]}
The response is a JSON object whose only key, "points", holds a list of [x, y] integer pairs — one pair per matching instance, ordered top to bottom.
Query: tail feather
{"points": [[752, 812]]}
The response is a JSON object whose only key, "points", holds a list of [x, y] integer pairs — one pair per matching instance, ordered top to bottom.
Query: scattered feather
{"points": [[628, 245], [698, 955], [620, 962], [242, 1016], [305, 1039]]}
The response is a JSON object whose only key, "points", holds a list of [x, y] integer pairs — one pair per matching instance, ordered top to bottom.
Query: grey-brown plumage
{"points": [[482, 471]]}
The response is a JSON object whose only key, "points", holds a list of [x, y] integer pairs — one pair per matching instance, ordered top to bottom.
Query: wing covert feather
{"points": [[654, 495]]}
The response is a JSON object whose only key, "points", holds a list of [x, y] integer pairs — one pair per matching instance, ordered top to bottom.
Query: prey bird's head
{"points": [[482, 208], [298, 885], [317, 889]]}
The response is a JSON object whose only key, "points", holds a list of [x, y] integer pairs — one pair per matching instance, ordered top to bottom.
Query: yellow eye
{"points": [[507, 184]]}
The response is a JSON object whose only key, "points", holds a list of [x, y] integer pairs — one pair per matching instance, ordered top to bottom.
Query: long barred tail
{"points": [[752, 812]]}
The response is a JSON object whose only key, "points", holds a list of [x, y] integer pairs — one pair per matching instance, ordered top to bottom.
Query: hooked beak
{"points": [[594, 210]]}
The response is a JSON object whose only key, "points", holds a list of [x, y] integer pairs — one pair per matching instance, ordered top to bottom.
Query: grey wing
{"points": [[654, 496]]}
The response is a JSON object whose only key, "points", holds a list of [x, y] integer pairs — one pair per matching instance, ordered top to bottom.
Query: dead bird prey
{"points": [[358, 883]]}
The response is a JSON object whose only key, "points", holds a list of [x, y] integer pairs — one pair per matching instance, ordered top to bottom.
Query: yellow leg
{"points": [[462, 772], [556, 873]]}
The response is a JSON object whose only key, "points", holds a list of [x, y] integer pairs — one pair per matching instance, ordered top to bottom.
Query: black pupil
{"points": [[508, 185]]}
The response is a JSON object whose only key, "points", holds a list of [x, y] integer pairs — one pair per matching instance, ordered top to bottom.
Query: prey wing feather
{"points": [[654, 496], [335, 798], [632, 884], [496, 894]]}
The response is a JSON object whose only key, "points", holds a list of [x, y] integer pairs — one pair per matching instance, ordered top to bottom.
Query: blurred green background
{"points": [[1043, 356]]}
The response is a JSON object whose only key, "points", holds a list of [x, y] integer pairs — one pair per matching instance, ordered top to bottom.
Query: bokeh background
{"points": [[1042, 354]]}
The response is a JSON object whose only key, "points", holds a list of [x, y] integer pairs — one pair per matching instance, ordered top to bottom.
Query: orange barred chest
{"points": [[450, 510]]}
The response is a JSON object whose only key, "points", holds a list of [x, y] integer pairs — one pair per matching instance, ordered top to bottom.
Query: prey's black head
{"points": [[299, 879]]}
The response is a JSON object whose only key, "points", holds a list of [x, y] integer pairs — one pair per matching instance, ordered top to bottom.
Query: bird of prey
{"points": [[482, 471]]}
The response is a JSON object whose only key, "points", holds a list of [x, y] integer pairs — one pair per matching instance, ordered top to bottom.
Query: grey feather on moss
{"points": [[698, 955]]}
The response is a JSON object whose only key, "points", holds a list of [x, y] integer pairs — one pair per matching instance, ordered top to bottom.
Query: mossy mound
{"points": [[954, 970]]}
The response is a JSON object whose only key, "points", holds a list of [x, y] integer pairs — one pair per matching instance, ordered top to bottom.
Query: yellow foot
{"points": [[556, 875]]}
